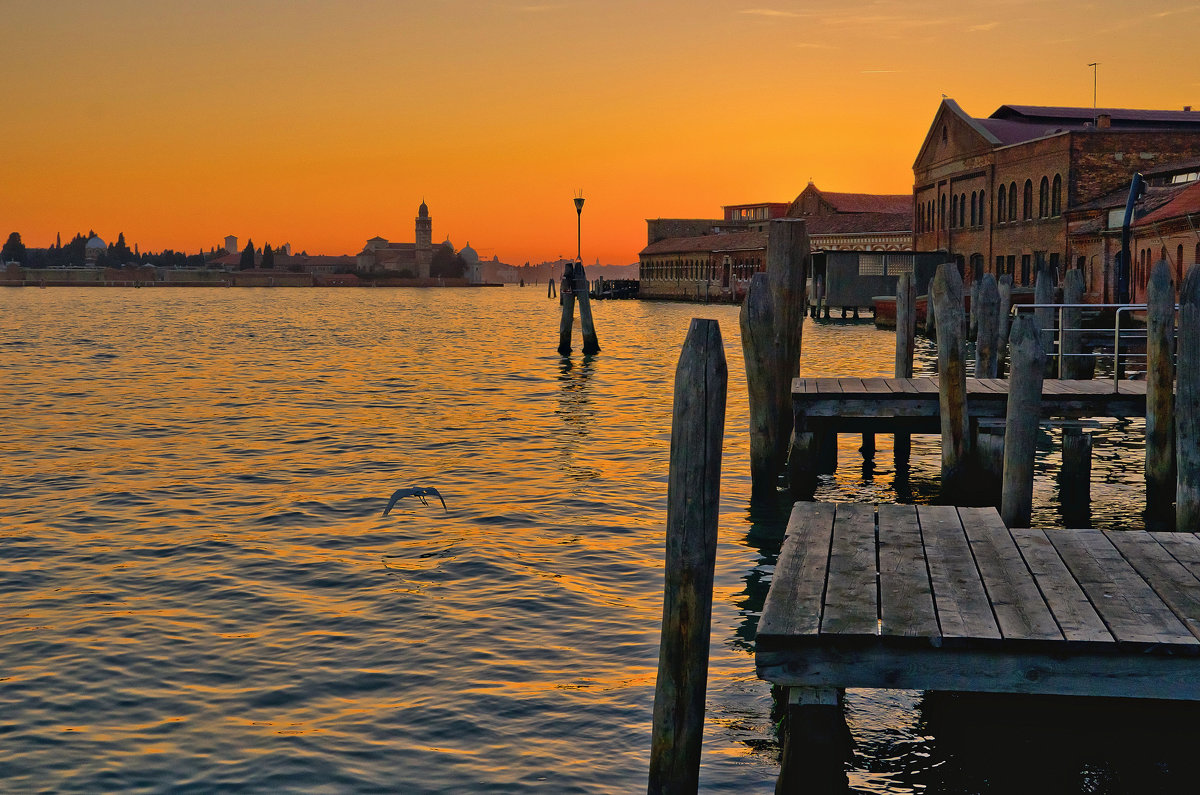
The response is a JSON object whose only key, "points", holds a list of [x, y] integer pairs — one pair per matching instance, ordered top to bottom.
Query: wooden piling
{"points": [[787, 272], [550, 292], [946, 293], [1043, 293], [567, 299], [973, 311], [1004, 314], [930, 316], [758, 324], [906, 327], [987, 335], [590, 344], [1073, 363], [1160, 398], [1187, 407], [1021, 421], [989, 456], [1075, 477], [693, 494]]}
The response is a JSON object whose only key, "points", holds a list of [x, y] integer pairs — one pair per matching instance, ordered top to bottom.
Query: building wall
{"points": [[663, 228]]}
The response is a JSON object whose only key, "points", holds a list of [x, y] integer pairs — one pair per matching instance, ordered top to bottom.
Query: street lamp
{"points": [[578, 227]]}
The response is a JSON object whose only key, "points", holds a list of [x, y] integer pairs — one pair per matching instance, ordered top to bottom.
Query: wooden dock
{"points": [[884, 405], [945, 598]]}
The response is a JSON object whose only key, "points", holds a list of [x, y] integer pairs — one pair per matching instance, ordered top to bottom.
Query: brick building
{"points": [[998, 194], [707, 259]]}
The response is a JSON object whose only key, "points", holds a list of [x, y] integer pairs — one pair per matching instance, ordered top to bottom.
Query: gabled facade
{"points": [[994, 194]]}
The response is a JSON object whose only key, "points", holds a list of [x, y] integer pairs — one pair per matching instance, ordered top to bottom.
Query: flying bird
{"points": [[420, 492]]}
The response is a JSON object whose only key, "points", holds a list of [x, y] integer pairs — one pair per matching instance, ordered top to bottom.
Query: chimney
{"points": [[1187, 108], [1104, 121]]}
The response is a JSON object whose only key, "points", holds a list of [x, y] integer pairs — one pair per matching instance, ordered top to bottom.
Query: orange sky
{"points": [[326, 123]]}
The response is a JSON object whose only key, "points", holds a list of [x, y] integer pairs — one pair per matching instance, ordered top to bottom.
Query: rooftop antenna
{"points": [[1095, 73]]}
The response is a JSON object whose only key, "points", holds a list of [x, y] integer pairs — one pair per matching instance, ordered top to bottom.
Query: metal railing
{"points": [[1127, 332]]}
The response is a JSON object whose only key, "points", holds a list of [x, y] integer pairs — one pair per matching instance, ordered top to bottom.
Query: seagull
{"points": [[420, 492]]}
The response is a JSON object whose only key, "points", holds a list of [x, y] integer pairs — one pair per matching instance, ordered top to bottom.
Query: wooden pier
{"points": [[911, 404], [945, 598]]}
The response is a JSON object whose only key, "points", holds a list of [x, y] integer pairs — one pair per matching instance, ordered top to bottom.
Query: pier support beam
{"points": [[1004, 287], [946, 293], [906, 328], [1074, 364], [1160, 397], [1187, 407], [1021, 421], [1075, 477], [817, 743]]}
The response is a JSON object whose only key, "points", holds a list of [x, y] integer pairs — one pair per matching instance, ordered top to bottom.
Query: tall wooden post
{"points": [[787, 271], [1043, 293], [946, 294], [567, 299], [973, 311], [930, 315], [1005, 315], [758, 324], [906, 327], [987, 335], [590, 344], [1074, 364], [1160, 397], [1187, 407], [1022, 415], [1075, 477], [693, 494]]}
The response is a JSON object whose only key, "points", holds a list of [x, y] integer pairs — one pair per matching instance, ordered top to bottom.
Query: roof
{"points": [[1052, 114], [870, 202], [1185, 202], [859, 223], [842, 224], [730, 241], [96, 242]]}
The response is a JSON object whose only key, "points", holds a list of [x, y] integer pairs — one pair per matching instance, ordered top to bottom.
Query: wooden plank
{"points": [[925, 384], [901, 385], [829, 386], [852, 386], [876, 386], [1053, 387], [1184, 547], [1169, 578], [851, 595], [905, 596], [959, 596], [793, 604], [1130, 608], [1020, 610], [1075, 615], [1034, 670]]}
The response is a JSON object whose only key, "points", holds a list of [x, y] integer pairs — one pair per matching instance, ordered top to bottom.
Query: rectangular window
{"points": [[1025, 263], [870, 264], [898, 264], [999, 266]]}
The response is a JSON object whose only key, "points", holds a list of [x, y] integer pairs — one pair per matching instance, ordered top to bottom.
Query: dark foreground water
{"points": [[198, 591]]}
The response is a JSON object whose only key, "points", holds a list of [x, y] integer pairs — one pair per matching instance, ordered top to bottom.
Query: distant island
{"points": [[87, 260]]}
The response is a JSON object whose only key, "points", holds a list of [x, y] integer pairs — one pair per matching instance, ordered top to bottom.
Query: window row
{"points": [[968, 211], [700, 269]]}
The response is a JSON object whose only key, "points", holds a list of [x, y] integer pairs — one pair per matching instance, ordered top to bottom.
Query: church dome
{"points": [[96, 242], [469, 254]]}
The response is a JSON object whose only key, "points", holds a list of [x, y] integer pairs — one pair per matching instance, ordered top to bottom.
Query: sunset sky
{"points": [[326, 123]]}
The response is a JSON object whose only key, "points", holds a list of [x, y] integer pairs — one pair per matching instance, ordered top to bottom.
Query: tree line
{"points": [[115, 255]]}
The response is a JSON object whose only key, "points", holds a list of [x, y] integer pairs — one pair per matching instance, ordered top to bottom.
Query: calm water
{"points": [[200, 593]]}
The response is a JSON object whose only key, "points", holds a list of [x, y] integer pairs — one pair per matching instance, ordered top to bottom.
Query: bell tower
{"points": [[424, 240]]}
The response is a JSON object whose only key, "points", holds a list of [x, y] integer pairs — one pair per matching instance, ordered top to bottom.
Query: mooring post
{"points": [[787, 266], [946, 293], [1043, 293], [567, 299], [930, 315], [1005, 316], [973, 317], [758, 323], [906, 328], [987, 335], [590, 344], [1074, 363], [1160, 397], [1187, 407], [1021, 421], [988, 451], [1075, 477], [693, 494]]}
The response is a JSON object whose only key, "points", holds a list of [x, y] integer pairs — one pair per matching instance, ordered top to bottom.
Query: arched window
{"points": [[1056, 196], [1044, 199], [1012, 201], [1027, 203], [1001, 204], [973, 208], [962, 210], [953, 211], [942, 213], [982, 217]]}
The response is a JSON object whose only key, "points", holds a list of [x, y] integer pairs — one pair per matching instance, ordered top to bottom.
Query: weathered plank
{"points": [[1169, 578], [851, 595], [905, 595], [961, 601], [793, 604], [1130, 608], [1020, 610], [1075, 615]]}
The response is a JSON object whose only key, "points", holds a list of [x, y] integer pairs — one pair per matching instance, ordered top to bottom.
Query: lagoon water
{"points": [[200, 593]]}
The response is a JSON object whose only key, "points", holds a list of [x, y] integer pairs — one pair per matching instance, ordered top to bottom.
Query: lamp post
{"points": [[579, 227]]}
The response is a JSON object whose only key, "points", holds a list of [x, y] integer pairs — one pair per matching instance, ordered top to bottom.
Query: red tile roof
{"points": [[869, 202], [1186, 202], [731, 241]]}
